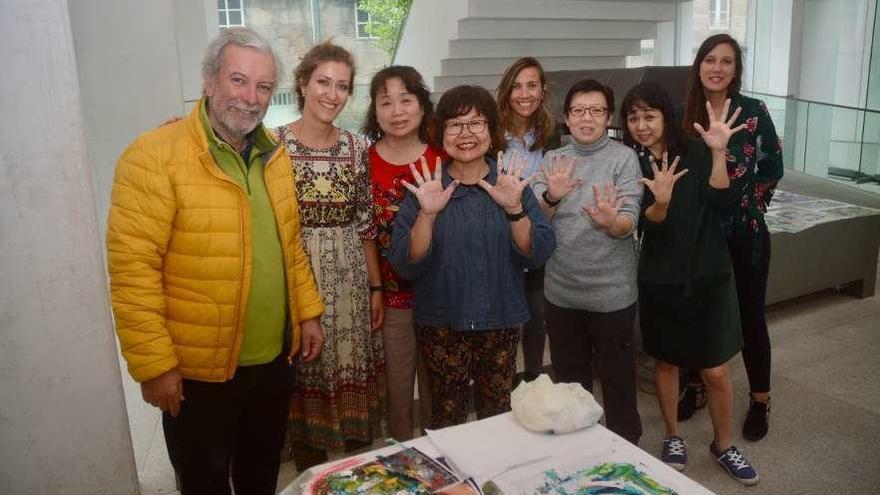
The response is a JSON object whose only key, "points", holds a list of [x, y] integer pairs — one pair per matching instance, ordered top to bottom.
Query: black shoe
{"points": [[694, 398], [755, 426]]}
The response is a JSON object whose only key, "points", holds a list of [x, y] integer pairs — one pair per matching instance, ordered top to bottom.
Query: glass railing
{"points": [[825, 140]]}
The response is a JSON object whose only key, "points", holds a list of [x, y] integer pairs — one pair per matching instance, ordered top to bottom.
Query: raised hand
{"points": [[719, 131], [558, 176], [664, 179], [507, 191], [430, 193], [607, 204]]}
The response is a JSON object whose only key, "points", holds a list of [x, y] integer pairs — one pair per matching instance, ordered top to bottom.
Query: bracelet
{"points": [[550, 203], [513, 217], [377, 288]]}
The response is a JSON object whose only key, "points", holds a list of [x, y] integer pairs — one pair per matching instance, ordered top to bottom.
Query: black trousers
{"points": [[751, 288], [576, 338], [236, 425]]}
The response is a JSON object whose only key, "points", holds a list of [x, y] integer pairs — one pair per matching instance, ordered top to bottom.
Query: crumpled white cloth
{"points": [[548, 407]]}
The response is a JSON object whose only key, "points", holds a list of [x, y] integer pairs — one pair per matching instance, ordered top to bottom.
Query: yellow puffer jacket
{"points": [[179, 257]]}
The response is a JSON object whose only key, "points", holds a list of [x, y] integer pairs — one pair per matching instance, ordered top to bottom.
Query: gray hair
{"points": [[238, 36]]}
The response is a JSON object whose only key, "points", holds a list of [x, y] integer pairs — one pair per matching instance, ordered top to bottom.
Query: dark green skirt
{"points": [[695, 326]]}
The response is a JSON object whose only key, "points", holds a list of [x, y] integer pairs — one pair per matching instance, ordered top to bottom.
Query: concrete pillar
{"points": [[63, 425]]}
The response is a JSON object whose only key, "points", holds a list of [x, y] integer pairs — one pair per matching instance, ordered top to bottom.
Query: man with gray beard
{"points": [[212, 293]]}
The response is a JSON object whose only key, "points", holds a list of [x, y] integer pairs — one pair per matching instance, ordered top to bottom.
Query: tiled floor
{"points": [[824, 425]]}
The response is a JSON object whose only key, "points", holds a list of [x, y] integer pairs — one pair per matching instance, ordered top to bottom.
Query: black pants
{"points": [[751, 289], [576, 337], [237, 425]]}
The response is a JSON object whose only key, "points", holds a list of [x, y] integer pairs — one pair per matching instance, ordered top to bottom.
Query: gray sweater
{"points": [[589, 269]]}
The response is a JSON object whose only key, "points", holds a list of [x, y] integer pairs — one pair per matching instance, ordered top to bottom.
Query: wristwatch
{"points": [[550, 203], [513, 217]]}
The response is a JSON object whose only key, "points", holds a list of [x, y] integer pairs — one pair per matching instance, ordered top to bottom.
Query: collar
{"points": [[258, 139], [527, 139], [588, 149], [461, 189]]}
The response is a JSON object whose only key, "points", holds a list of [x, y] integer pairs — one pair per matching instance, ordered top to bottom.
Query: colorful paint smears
{"points": [[607, 478]]}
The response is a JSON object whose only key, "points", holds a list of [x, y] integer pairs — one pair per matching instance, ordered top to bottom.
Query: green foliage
{"points": [[386, 18]]}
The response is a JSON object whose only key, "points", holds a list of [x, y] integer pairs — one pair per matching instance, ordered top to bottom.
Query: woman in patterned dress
{"points": [[397, 121], [754, 163], [337, 399]]}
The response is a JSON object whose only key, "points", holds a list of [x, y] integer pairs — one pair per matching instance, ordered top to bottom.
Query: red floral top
{"points": [[388, 194]]}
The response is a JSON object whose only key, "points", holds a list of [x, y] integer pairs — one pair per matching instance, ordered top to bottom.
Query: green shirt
{"points": [[266, 311]]}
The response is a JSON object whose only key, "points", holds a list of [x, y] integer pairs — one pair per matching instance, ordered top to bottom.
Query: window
{"points": [[230, 13], [719, 14], [362, 20]]}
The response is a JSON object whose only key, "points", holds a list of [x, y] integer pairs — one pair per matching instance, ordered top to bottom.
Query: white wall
{"points": [[425, 37], [833, 51], [139, 65], [63, 426]]}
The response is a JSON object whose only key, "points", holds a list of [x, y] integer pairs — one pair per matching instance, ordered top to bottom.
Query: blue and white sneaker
{"points": [[675, 453], [736, 465]]}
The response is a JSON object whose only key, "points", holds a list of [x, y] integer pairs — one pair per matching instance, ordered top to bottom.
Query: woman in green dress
{"points": [[687, 297]]}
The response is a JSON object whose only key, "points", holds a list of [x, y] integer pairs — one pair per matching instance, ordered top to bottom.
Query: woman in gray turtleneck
{"points": [[590, 191]]}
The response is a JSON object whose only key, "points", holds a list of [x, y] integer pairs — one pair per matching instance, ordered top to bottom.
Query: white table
{"points": [[487, 448]]}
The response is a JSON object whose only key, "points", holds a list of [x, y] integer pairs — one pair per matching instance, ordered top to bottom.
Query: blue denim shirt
{"points": [[521, 146], [472, 275]]}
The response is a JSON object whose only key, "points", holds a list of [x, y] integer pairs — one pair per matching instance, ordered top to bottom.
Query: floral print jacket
{"points": [[754, 157]]}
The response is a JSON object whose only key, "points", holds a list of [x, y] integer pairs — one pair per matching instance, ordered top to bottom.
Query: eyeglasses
{"points": [[597, 112], [455, 128]]}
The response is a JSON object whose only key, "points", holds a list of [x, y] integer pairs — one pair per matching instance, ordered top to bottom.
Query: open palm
{"points": [[719, 132], [557, 173], [664, 179], [507, 191], [430, 193], [607, 203]]}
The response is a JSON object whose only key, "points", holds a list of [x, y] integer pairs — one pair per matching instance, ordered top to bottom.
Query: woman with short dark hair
{"points": [[464, 237], [590, 281], [687, 297]]}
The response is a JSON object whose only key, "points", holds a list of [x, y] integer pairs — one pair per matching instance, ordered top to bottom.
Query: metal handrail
{"points": [[812, 102]]}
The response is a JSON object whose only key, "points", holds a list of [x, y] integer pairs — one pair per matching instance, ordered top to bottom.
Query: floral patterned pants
{"points": [[454, 358]]}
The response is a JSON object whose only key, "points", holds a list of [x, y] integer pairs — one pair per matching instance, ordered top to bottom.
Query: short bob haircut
{"points": [[238, 36], [317, 55], [414, 84], [587, 86], [650, 95], [461, 100], [695, 102], [542, 120]]}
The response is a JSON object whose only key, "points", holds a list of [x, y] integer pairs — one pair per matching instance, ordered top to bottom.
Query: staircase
{"points": [[475, 40]]}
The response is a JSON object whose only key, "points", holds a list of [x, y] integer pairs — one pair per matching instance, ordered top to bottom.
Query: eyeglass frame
{"points": [[591, 110], [484, 122]]}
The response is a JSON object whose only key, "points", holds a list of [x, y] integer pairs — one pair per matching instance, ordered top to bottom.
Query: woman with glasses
{"points": [[398, 121], [528, 129], [755, 163], [591, 192], [464, 237], [687, 297]]}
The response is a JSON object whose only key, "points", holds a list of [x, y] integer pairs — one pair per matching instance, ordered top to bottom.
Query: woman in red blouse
{"points": [[397, 121]]}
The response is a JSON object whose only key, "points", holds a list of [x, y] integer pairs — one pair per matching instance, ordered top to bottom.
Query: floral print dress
{"points": [[338, 396]]}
